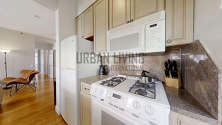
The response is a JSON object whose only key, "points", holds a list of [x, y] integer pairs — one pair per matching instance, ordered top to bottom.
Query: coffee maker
{"points": [[103, 70]]}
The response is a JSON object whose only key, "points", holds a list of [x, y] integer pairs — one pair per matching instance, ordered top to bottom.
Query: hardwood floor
{"points": [[27, 107]]}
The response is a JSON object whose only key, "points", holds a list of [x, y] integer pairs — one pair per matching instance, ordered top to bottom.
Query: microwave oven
{"points": [[145, 35]]}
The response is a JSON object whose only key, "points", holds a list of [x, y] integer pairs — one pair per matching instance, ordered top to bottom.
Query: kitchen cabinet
{"points": [[142, 8], [126, 11], [119, 12], [107, 14], [88, 22], [179, 22], [84, 24], [100, 25], [79, 27], [85, 104], [179, 119]]}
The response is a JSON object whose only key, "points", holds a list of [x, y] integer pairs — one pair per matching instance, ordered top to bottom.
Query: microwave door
{"points": [[125, 39], [128, 42]]}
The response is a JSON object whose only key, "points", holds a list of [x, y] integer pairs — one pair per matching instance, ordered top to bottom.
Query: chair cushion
{"points": [[26, 73], [8, 79], [25, 79], [21, 80]]}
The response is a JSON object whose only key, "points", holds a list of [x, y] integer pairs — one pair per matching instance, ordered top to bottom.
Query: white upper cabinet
{"points": [[141, 8], [126, 11], [119, 12], [106, 15], [179, 22], [88, 23], [84, 24], [100, 25], [79, 27]]}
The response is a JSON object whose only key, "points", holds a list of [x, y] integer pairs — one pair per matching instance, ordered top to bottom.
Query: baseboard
{"points": [[57, 110]]}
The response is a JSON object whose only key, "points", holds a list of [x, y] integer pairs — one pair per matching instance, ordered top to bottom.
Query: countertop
{"points": [[92, 79], [180, 102]]}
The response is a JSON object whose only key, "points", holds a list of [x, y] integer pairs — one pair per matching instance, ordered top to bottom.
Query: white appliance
{"points": [[144, 35], [71, 71], [114, 104]]}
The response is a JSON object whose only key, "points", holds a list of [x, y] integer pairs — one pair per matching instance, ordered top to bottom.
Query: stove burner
{"points": [[113, 81], [144, 89], [141, 92]]}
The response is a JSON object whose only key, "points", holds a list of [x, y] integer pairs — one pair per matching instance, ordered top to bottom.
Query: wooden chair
{"points": [[27, 76]]}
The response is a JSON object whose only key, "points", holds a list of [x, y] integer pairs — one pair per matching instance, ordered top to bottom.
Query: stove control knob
{"points": [[136, 105], [148, 110]]}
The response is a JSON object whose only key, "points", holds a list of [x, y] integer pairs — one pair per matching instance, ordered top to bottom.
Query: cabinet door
{"points": [[141, 8], [119, 12], [179, 21], [88, 22], [100, 25], [79, 27], [85, 107], [174, 119], [179, 119], [184, 120]]}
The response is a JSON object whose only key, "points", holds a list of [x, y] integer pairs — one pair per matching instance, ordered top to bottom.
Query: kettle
{"points": [[103, 70], [146, 77]]}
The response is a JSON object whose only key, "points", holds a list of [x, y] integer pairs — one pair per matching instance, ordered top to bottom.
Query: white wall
{"points": [[51, 4], [83, 4], [67, 13], [208, 27], [41, 44], [22, 48], [21, 55]]}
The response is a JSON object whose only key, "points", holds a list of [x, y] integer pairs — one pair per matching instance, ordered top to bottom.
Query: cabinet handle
{"points": [[130, 21], [172, 40], [169, 41], [87, 89]]}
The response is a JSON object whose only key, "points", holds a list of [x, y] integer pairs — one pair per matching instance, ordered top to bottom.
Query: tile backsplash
{"points": [[134, 64], [198, 73], [200, 76]]}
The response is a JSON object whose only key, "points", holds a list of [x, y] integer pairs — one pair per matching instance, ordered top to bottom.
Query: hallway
{"points": [[27, 107]]}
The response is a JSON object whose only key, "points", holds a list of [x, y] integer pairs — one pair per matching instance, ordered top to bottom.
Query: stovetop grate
{"points": [[113, 81], [144, 89]]}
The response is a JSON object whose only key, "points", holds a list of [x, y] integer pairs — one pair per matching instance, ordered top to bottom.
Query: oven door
{"points": [[102, 115]]}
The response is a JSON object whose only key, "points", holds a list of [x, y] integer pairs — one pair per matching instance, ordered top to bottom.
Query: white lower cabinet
{"points": [[85, 104], [179, 119]]}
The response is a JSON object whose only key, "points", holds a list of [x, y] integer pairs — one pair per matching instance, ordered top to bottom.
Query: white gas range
{"points": [[123, 100]]}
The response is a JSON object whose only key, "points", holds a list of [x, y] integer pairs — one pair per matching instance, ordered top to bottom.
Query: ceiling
{"points": [[50, 4], [28, 16]]}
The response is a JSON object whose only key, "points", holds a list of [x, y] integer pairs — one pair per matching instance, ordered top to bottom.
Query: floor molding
{"points": [[57, 110]]}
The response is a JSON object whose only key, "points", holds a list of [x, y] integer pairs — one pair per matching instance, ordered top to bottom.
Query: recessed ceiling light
{"points": [[37, 16]]}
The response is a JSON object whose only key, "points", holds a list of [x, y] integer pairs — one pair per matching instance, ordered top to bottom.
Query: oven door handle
{"points": [[98, 108]]}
